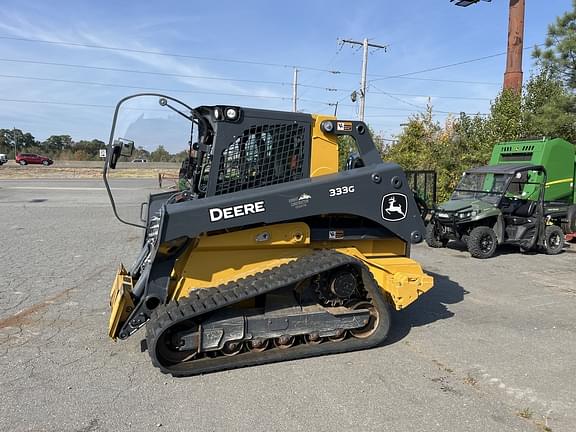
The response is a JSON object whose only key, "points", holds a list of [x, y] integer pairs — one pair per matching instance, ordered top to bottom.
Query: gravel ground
{"points": [[490, 348]]}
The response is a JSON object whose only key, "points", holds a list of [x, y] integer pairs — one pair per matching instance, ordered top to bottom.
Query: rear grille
{"points": [[262, 156], [516, 157]]}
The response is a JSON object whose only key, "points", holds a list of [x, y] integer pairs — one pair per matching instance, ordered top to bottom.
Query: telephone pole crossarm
{"points": [[370, 44], [363, 81]]}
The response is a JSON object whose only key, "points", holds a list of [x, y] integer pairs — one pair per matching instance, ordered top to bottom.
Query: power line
{"points": [[141, 51], [252, 62], [460, 63], [111, 69], [432, 69], [314, 79], [449, 81], [100, 84], [140, 88], [161, 89], [176, 90], [391, 96], [432, 96], [36, 101], [315, 101], [75, 104], [86, 105], [412, 111], [391, 116]]}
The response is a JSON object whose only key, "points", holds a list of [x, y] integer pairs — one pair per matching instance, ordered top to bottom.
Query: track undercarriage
{"points": [[325, 302]]}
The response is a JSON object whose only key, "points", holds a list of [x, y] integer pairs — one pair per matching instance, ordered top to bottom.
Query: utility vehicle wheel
{"points": [[23, 162], [45, 163], [432, 238], [553, 240], [482, 242]]}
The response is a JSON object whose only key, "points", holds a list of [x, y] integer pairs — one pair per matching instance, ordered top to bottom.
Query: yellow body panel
{"points": [[324, 157], [391, 247], [222, 258], [401, 277], [120, 301]]}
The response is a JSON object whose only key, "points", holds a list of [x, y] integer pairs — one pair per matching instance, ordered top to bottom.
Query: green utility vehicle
{"points": [[525, 197]]}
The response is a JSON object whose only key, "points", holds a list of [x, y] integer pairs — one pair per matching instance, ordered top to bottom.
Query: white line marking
{"points": [[67, 188]]}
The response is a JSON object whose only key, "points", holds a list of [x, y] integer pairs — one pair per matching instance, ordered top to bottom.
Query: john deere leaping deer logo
{"points": [[394, 207]]}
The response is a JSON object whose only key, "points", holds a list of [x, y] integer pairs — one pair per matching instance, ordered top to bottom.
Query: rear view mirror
{"points": [[126, 146], [122, 147]]}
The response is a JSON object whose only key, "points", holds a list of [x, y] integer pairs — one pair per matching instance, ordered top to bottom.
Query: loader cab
{"points": [[224, 149]]}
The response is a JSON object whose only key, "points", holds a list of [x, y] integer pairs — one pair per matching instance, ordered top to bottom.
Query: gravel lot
{"points": [[490, 348]]}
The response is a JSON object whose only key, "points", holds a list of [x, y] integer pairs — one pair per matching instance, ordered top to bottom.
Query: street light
{"points": [[466, 3]]}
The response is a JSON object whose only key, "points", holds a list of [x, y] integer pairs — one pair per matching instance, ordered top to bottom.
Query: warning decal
{"points": [[344, 126]]}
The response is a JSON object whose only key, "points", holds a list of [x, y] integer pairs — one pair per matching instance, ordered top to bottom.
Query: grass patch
{"points": [[34, 172], [471, 381], [525, 413], [543, 426]]}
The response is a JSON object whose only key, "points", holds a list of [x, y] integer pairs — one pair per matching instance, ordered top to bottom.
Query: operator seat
{"points": [[354, 161], [522, 214]]}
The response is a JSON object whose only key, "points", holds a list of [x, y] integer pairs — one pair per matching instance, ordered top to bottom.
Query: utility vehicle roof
{"points": [[504, 168]]}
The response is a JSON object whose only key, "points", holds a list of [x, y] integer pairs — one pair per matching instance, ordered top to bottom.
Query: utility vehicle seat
{"points": [[522, 214]]}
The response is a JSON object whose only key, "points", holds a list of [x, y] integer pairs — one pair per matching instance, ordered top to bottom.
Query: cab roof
{"points": [[505, 168]]}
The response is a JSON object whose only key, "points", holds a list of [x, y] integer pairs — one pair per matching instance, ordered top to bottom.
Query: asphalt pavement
{"points": [[490, 348]]}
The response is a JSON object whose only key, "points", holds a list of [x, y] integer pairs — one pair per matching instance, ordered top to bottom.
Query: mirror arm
{"points": [[176, 110]]}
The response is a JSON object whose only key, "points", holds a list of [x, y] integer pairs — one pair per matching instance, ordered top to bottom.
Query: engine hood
{"points": [[464, 204]]}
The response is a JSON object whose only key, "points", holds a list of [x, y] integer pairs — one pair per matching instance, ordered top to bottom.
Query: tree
{"points": [[559, 54], [549, 109], [6, 140], [23, 140], [28, 140], [58, 142], [425, 144], [90, 149], [141, 153], [160, 155], [180, 156]]}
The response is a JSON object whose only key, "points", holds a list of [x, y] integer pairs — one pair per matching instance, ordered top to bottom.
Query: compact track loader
{"points": [[272, 251]]}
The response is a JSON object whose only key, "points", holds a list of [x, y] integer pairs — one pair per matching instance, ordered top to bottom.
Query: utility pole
{"points": [[365, 44], [513, 74], [295, 91], [15, 141]]}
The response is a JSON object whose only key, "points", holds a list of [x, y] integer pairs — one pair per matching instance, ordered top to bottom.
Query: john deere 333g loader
{"points": [[271, 252]]}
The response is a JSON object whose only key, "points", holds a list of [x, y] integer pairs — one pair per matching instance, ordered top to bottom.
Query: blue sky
{"points": [[421, 34]]}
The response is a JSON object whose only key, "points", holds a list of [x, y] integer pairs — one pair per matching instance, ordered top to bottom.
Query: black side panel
{"points": [[379, 193], [155, 201]]}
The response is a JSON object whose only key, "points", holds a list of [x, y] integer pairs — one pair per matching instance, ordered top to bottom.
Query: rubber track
{"points": [[203, 301]]}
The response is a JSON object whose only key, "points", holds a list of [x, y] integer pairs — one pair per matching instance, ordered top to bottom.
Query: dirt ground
{"points": [[10, 172]]}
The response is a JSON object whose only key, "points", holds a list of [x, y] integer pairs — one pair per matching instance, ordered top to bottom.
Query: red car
{"points": [[30, 158]]}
